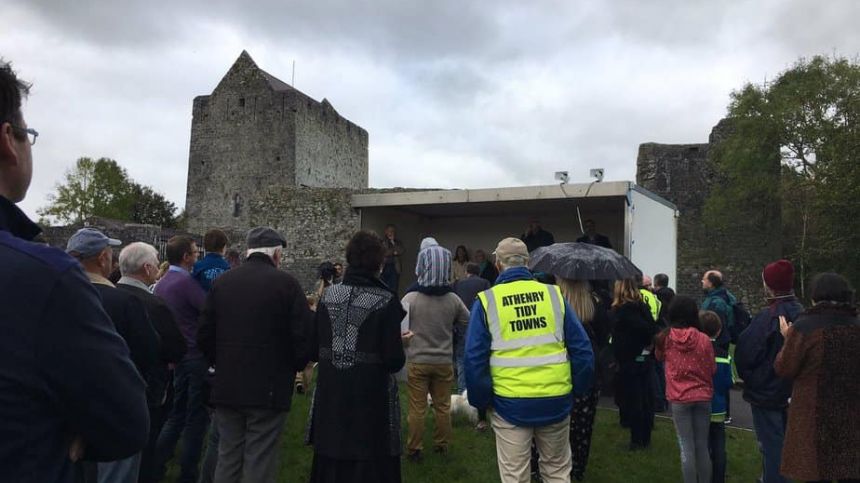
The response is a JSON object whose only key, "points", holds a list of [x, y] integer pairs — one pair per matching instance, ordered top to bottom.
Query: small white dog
{"points": [[460, 407]]}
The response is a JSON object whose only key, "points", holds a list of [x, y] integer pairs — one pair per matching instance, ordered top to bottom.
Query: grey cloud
{"points": [[114, 23], [388, 27], [810, 28], [448, 83]]}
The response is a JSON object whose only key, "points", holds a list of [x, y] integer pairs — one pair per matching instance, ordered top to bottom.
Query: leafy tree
{"points": [[808, 118], [91, 188], [102, 188], [151, 207]]}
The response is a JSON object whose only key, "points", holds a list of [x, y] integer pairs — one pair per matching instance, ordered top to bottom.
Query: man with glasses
{"points": [[138, 264], [68, 387], [188, 418]]}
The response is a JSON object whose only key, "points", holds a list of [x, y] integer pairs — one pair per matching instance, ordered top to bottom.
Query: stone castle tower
{"points": [[255, 132]]}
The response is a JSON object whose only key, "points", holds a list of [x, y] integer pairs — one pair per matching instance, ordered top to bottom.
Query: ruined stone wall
{"points": [[330, 151], [685, 174], [682, 175], [317, 224], [127, 233]]}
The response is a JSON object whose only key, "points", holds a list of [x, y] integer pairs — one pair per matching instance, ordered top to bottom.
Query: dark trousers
{"points": [[390, 277], [635, 394], [660, 403], [188, 420], [581, 426], [769, 427], [248, 448], [717, 449], [210, 458], [148, 460], [839, 481]]}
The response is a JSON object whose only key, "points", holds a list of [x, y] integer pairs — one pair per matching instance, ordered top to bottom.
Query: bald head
{"points": [[712, 279], [646, 282]]}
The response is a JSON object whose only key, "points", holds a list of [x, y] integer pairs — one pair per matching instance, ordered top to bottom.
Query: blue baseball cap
{"points": [[88, 242]]}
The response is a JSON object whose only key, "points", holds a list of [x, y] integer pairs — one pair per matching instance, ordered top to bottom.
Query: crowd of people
{"points": [[101, 379]]}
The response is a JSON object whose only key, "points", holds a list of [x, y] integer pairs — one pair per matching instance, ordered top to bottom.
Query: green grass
{"points": [[473, 455]]}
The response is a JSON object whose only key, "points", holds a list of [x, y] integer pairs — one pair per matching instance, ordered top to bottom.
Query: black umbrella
{"points": [[582, 261]]}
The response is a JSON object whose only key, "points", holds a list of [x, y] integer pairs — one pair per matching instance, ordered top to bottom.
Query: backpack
{"points": [[739, 319], [742, 319]]}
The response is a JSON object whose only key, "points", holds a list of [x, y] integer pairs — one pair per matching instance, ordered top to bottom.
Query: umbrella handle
{"points": [[579, 218]]}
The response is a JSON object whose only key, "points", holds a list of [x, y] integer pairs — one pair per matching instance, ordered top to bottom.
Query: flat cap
{"points": [[264, 237]]}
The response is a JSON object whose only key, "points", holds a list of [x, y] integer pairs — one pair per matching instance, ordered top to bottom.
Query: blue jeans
{"points": [[459, 365], [188, 419], [769, 427], [210, 459], [122, 471]]}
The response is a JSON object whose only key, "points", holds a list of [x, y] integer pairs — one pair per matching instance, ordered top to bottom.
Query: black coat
{"points": [[541, 238], [599, 240], [665, 295], [129, 316], [254, 330], [634, 330], [172, 345], [356, 413]]}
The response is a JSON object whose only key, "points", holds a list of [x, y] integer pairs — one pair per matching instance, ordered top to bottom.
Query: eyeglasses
{"points": [[31, 133]]}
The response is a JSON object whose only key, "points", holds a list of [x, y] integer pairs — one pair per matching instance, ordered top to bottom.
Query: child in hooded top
{"points": [[690, 366], [723, 380]]}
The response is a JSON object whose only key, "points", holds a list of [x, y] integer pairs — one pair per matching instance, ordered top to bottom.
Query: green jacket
{"points": [[720, 301]]}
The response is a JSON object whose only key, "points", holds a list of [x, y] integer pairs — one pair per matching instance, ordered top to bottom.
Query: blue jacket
{"points": [[205, 271], [720, 301], [756, 351], [64, 370], [723, 381], [527, 412]]}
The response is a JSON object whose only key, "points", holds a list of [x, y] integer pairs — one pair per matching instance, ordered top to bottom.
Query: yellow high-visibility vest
{"points": [[652, 301], [528, 357]]}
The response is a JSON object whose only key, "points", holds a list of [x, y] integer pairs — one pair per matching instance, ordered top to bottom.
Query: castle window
{"points": [[241, 102], [237, 205]]}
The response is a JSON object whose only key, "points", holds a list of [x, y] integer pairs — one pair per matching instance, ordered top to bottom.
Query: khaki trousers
{"points": [[436, 380], [513, 450]]}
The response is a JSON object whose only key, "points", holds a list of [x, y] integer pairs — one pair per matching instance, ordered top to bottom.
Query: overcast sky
{"points": [[454, 94]]}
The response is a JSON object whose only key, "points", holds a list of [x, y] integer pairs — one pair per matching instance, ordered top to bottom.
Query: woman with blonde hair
{"points": [[593, 315], [633, 332]]}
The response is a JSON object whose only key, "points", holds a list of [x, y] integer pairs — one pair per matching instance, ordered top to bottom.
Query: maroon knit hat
{"points": [[779, 276]]}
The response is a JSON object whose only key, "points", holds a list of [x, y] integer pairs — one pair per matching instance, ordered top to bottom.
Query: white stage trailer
{"points": [[639, 224]]}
